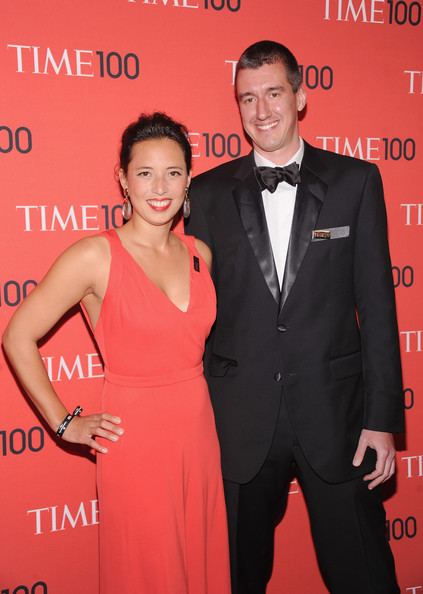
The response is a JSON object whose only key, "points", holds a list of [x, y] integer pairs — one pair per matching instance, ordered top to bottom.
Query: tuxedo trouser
{"points": [[347, 524]]}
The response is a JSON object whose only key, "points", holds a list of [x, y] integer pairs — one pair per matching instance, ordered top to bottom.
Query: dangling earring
{"points": [[126, 206], [186, 208]]}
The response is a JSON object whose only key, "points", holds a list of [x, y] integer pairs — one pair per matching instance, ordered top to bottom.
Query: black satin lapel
{"points": [[310, 195], [250, 205]]}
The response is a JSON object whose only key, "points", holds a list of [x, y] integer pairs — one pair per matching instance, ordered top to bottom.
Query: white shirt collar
{"points": [[297, 158]]}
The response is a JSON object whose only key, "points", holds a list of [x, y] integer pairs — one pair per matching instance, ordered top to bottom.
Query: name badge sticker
{"points": [[321, 234]]}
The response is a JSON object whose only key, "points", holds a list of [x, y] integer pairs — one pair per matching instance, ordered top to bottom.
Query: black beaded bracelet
{"points": [[64, 424]]}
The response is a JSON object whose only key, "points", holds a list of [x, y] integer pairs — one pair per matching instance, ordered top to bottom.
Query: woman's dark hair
{"points": [[271, 52], [156, 125]]}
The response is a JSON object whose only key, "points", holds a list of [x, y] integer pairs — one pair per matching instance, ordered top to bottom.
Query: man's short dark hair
{"points": [[271, 52]]}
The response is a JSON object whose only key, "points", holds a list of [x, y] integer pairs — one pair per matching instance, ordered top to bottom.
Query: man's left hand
{"points": [[384, 445]]}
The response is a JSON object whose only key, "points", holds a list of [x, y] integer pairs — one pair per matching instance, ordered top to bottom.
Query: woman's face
{"points": [[156, 179]]}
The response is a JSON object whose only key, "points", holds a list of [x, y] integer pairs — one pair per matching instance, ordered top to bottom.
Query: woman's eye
{"points": [[143, 173], [175, 173]]}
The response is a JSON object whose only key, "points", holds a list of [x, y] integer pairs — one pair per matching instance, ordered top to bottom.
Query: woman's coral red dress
{"points": [[162, 512]]}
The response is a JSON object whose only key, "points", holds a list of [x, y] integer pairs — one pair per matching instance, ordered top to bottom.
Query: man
{"points": [[303, 364]]}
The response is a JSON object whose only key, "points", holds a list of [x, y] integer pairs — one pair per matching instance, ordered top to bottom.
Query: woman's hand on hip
{"points": [[85, 429]]}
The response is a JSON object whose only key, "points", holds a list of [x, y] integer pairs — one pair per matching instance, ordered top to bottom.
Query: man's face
{"points": [[269, 110]]}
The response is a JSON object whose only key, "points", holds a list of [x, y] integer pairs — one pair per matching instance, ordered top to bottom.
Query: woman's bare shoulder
{"points": [[89, 250], [204, 251]]}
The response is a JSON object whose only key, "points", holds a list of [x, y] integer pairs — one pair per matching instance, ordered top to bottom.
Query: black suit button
{"points": [[282, 328], [278, 376]]}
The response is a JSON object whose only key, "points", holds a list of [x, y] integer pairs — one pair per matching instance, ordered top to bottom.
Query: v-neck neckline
{"points": [[153, 284]]}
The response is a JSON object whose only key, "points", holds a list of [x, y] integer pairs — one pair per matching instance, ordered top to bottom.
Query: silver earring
{"points": [[126, 206], [186, 209]]}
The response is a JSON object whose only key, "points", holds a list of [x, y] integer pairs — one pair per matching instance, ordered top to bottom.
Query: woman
{"points": [[150, 301]]}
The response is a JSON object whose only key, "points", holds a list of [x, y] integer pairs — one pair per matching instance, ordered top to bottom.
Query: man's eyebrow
{"points": [[278, 88], [267, 90], [246, 94]]}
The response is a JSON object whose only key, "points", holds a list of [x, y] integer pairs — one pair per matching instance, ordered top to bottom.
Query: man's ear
{"points": [[301, 99]]}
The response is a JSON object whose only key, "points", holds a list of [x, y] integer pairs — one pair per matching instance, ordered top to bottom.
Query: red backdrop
{"points": [[74, 74]]}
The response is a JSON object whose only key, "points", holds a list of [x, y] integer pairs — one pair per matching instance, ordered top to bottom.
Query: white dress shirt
{"points": [[279, 210]]}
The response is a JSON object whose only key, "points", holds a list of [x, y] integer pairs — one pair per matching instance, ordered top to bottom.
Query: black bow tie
{"points": [[270, 177]]}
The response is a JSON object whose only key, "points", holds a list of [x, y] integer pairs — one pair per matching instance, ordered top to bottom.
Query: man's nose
{"points": [[262, 109]]}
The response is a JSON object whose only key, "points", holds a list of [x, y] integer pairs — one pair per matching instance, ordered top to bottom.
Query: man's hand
{"points": [[383, 443]]}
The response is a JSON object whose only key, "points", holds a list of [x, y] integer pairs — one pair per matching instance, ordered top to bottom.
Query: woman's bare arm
{"points": [[79, 273]]}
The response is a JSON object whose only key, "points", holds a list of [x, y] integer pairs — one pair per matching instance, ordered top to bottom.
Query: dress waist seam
{"points": [[171, 377]]}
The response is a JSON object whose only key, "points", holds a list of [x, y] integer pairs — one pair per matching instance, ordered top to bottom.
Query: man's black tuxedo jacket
{"points": [[328, 340]]}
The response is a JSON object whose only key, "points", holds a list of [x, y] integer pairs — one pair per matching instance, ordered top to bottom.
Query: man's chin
{"points": [[266, 148]]}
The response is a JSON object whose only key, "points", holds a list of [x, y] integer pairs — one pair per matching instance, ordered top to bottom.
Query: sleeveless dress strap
{"points": [[111, 235], [189, 241]]}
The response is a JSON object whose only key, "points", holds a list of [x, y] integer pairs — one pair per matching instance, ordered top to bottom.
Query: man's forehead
{"points": [[261, 78]]}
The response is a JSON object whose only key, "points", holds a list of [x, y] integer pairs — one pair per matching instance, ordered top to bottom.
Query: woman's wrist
{"points": [[67, 420]]}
